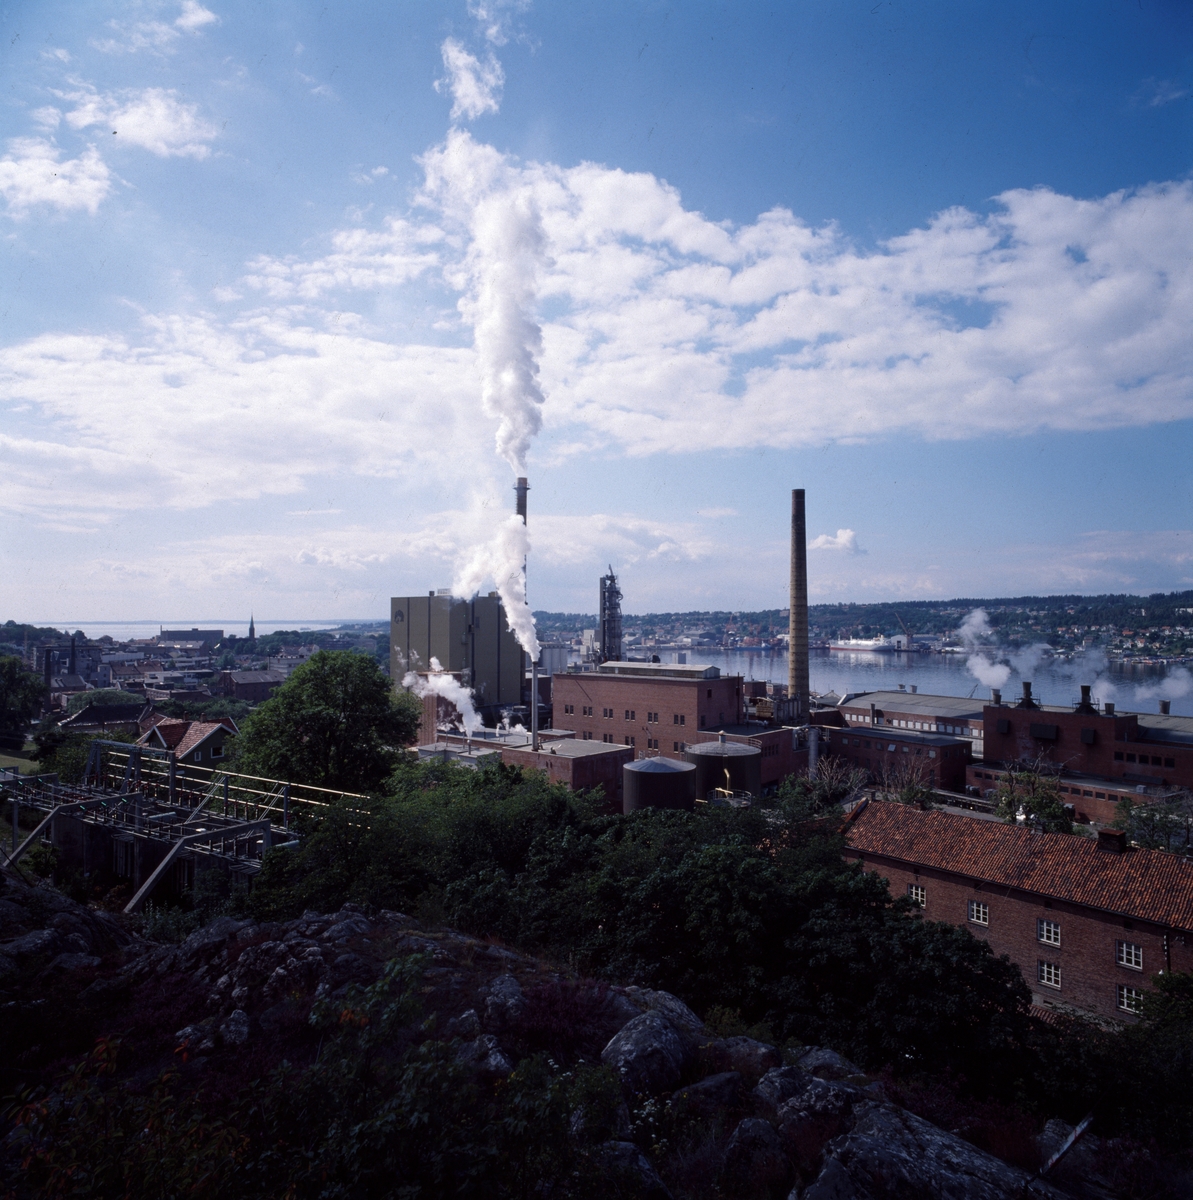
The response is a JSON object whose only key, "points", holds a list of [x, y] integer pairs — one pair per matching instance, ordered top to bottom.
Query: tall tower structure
{"points": [[610, 618], [252, 629], [797, 661]]}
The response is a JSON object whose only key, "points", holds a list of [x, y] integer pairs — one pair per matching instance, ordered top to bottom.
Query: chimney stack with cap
{"points": [[797, 661], [996, 696], [1027, 701], [1165, 708]]}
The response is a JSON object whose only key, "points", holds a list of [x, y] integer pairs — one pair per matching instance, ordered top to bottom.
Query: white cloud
{"points": [[494, 17], [161, 37], [475, 86], [1155, 93], [153, 118], [33, 173], [359, 259], [845, 540]]}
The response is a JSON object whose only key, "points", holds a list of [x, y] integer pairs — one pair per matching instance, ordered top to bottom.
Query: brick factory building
{"points": [[650, 706], [663, 708], [918, 711], [1132, 749], [938, 760], [578, 765], [1088, 921]]}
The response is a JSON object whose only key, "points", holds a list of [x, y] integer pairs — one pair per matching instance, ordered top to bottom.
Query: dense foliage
{"points": [[21, 695], [81, 700], [335, 723], [1030, 795]]}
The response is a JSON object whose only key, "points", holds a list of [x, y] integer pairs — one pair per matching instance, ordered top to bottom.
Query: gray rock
{"points": [[348, 926], [40, 941], [205, 942], [74, 961], [8, 965], [504, 1001], [671, 1007], [466, 1025], [235, 1030], [647, 1053], [485, 1055], [753, 1059], [827, 1064], [779, 1085], [711, 1095], [811, 1118], [892, 1153], [625, 1160], [755, 1164]]}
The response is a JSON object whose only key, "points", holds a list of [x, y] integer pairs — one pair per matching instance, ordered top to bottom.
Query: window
{"points": [[710, 693], [675, 718], [683, 718], [587, 736], [674, 745], [217, 752], [198, 756], [1118, 756], [1130, 758], [1170, 762], [916, 894], [979, 912], [1048, 931], [1128, 954], [1048, 973], [1128, 999]]}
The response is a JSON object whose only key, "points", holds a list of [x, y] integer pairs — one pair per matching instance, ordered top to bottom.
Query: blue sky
{"points": [[290, 288]]}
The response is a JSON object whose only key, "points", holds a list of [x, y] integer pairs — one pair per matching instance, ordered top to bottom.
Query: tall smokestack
{"points": [[520, 490], [797, 661]]}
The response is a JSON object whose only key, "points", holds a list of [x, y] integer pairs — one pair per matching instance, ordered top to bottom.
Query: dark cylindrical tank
{"points": [[713, 759], [658, 783]]}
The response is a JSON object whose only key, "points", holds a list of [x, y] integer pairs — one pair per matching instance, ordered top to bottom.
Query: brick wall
{"points": [[942, 762], [1089, 973]]}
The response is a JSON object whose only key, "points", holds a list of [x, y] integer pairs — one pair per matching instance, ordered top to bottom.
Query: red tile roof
{"points": [[183, 736], [1150, 885]]}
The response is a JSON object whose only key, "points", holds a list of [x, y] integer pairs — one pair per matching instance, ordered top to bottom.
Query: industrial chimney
{"points": [[520, 490], [610, 618], [797, 662], [1165, 707]]}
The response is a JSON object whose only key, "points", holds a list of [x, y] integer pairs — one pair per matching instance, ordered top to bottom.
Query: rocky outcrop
{"points": [[647, 1053]]}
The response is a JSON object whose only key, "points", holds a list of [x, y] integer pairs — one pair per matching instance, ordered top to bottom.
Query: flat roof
{"points": [[659, 670], [916, 702], [886, 733], [572, 748]]}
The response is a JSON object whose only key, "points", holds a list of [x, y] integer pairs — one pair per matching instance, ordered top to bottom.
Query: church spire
{"points": [[252, 629]]}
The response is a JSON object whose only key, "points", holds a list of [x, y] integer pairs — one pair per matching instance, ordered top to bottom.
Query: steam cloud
{"points": [[499, 277], [501, 560], [974, 632], [450, 688]]}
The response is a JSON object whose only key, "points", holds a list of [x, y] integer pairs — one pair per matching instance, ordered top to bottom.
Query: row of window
{"points": [[892, 747], [1156, 760], [1126, 954], [1126, 998]]}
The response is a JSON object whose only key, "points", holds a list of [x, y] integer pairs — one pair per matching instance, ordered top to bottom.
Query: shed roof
{"points": [[1150, 885]]}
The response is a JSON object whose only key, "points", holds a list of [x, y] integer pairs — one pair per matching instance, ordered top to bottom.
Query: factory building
{"points": [[470, 638], [650, 706], [918, 711], [938, 760]]}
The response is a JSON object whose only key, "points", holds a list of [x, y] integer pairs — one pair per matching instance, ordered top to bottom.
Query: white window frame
{"points": [[917, 894], [979, 912], [1047, 932], [1129, 955], [1048, 973], [1128, 998]]}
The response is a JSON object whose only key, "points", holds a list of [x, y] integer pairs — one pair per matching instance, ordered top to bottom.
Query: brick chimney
{"points": [[1112, 840]]}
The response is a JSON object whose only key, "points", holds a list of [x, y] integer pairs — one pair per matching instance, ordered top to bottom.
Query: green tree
{"points": [[21, 696], [335, 723], [1028, 791], [1165, 824]]}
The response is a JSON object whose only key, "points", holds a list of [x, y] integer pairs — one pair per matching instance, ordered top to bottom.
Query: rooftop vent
{"points": [[995, 696], [1027, 701], [1085, 705], [1165, 707], [1109, 708]]}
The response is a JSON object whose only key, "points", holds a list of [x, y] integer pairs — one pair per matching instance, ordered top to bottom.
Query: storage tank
{"points": [[713, 759], [658, 783]]}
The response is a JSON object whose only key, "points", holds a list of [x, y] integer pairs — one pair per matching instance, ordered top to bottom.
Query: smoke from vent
{"points": [[501, 560], [974, 631], [448, 687]]}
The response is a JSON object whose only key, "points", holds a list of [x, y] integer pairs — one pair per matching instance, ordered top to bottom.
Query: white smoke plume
{"points": [[476, 189], [501, 560], [974, 633], [1025, 660], [1177, 684], [450, 688]]}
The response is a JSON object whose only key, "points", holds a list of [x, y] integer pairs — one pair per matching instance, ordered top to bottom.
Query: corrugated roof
{"points": [[688, 671], [916, 702], [1150, 885]]}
